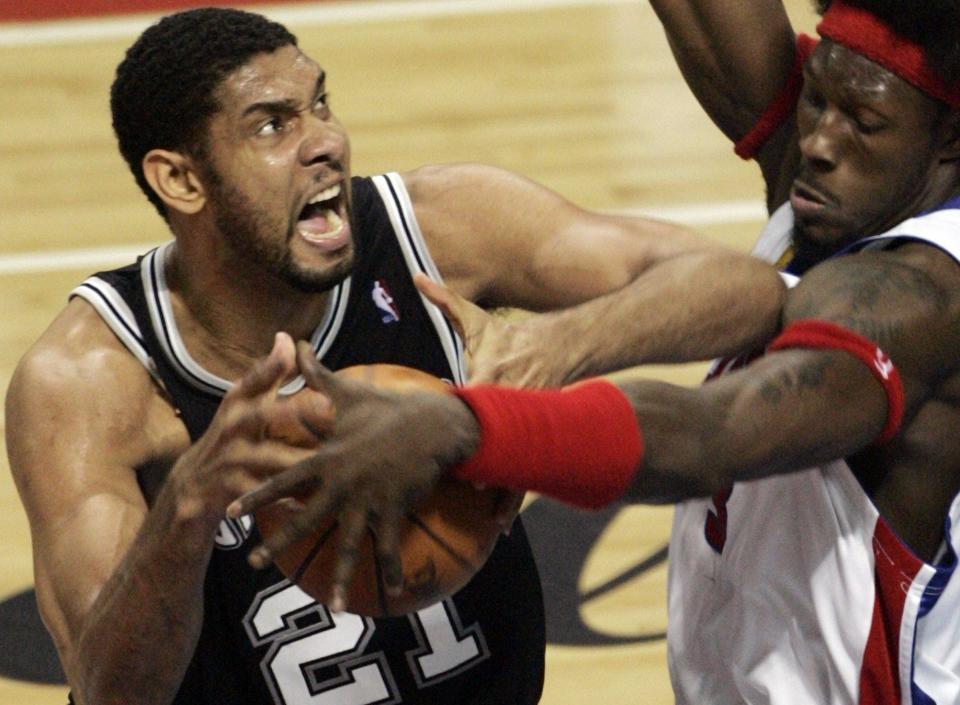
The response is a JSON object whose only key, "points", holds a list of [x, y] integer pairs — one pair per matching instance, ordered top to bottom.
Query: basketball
{"points": [[443, 541]]}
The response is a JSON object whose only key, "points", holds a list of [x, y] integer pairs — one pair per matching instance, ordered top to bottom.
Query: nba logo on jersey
{"points": [[384, 302]]}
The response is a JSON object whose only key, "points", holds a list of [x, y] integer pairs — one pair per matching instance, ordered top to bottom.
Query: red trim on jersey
{"points": [[864, 33], [781, 107], [811, 333], [581, 445], [895, 568]]}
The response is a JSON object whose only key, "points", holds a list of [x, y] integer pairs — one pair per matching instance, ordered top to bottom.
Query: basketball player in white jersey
{"points": [[129, 432], [814, 551]]}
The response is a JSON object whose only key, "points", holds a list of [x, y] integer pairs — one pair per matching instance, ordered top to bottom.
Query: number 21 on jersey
{"points": [[296, 655]]}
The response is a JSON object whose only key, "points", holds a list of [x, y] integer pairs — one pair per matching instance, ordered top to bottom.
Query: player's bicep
{"points": [[734, 55], [503, 240], [581, 255], [905, 301], [799, 407], [786, 411], [80, 494], [76, 555]]}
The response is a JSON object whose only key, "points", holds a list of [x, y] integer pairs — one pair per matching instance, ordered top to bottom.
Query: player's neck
{"points": [[227, 321]]}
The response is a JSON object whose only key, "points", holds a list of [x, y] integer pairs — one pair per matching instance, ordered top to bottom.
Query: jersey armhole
{"points": [[118, 317]]}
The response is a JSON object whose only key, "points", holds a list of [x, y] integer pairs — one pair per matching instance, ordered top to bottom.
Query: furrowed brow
{"points": [[287, 105], [271, 107]]}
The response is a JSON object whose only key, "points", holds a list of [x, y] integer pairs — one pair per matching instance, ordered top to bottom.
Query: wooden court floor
{"points": [[582, 96]]}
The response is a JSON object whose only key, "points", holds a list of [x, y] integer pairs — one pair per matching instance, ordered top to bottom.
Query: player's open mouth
{"points": [[320, 222]]}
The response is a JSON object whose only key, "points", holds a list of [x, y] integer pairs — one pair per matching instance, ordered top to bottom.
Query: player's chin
{"points": [[822, 234], [311, 276]]}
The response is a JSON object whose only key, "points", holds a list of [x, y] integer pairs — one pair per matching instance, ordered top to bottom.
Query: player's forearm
{"points": [[733, 54], [693, 307], [653, 442], [140, 634]]}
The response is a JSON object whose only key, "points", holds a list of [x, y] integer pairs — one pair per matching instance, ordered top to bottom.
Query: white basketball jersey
{"points": [[792, 590]]}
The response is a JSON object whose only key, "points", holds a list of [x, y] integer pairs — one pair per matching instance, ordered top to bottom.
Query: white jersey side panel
{"points": [[793, 584]]}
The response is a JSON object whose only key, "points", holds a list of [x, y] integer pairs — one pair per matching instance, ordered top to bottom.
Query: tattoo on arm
{"points": [[871, 294], [793, 381]]}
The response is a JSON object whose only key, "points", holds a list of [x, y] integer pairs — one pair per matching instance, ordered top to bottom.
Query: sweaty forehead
{"points": [[836, 65], [284, 74]]}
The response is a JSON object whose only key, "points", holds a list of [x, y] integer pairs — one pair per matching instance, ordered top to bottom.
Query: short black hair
{"points": [[932, 24], [163, 93]]}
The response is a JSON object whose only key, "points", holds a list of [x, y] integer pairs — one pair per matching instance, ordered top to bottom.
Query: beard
{"points": [[248, 230]]}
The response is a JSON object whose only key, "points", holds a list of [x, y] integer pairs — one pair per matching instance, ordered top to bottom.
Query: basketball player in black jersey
{"points": [[142, 411]]}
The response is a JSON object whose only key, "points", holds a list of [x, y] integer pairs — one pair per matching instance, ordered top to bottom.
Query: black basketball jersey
{"points": [[264, 641]]}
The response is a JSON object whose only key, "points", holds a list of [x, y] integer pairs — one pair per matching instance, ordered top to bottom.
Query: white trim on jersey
{"points": [[394, 195], [399, 208], [939, 228], [775, 237], [153, 276], [160, 307], [119, 318], [937, 665]]}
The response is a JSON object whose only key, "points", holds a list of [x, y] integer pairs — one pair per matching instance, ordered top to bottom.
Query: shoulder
{"points": [[472, 216], [913, 278], [906, 299], [78, 348], [79, 384]]}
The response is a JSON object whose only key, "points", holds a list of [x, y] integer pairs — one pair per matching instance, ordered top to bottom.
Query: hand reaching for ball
{"points": [[375, 499]]}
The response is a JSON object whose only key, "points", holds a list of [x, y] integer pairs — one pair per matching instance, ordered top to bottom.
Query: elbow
{"points": [[768, 294], [753, 306]]}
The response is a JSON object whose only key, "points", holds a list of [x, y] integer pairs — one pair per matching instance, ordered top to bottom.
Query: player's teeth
{"points": [[326, 194], [334, 226]]}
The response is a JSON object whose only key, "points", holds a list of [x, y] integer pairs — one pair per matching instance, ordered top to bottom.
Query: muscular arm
{"points": [[736, 55], [636, 290], [796, 408], [789, 410], [119, 584], [124, 620]]}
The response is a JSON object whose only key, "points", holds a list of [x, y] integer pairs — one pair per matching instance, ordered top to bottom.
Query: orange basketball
{"points": [[443, 541]]}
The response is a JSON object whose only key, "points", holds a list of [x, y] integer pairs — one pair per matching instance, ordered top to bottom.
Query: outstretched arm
{"points": [[736, 56], [632, 290], [679, 310], [797, 406], [648, 441]]}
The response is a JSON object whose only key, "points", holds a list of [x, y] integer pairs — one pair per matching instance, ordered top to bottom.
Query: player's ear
{"points": [[174, 178]]}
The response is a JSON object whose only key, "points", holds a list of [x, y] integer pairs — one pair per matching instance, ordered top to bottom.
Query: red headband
{"points": [[862, 32]]}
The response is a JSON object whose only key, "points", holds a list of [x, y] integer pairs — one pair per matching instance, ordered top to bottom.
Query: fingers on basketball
{"points": [[441, 543]]}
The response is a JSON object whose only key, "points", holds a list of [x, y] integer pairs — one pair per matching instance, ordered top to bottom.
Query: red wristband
{"points": [[781, 106], [824, 334], [581, 445]]}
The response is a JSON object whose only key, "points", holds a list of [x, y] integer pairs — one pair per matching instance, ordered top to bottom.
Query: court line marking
{"points": [[95, 29], [92, 258]]}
